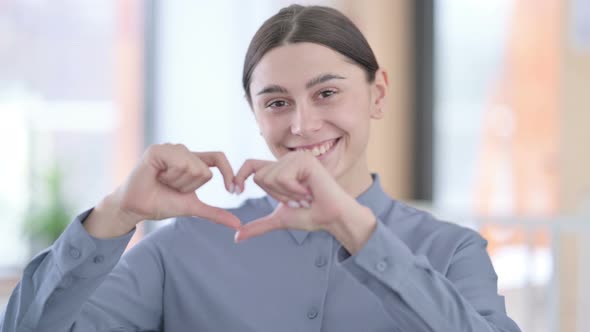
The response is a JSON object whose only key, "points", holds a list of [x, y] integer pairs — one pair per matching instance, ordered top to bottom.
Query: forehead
{"points": [[294, 64]]}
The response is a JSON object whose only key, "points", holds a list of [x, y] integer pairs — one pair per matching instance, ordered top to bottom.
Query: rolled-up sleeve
{"points": [[418, 297]]}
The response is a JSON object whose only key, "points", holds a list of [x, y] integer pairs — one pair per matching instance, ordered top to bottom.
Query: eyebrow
{"points": [[314, 81]]}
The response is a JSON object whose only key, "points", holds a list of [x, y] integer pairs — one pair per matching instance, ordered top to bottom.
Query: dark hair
{"points": [[314, 24]]}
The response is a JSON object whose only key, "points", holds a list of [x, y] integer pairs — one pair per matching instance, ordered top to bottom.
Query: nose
{"points": [[306, 121]]}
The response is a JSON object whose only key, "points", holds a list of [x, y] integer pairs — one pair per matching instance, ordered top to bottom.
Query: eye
{"points": [[327, 93], [276, 104]]}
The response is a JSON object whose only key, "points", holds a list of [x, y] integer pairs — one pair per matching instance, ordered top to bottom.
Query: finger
{"points": [[219, 160], [180, 166], [250, 166], [169, 175], [198, 176], [283, 177], [265, 178], [185, 180], [278, 180], [265, 183], [289, 184], [190, 186], [295, 188], [278, 192], [277, 195], [288, 199], [215, 214], [258, 227]]}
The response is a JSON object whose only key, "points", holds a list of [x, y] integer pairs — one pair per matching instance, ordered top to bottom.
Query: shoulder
{"points": [[402, 215], [427, 235]]}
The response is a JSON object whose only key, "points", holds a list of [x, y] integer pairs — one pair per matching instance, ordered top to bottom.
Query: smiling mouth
{"points": [[318, 150]]}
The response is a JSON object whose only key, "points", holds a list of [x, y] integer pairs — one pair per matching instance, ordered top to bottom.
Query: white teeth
{"points": [[318, 151]]}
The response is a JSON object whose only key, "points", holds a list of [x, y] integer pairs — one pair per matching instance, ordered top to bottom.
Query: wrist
{"points": [[108, 220], [355, 227]]}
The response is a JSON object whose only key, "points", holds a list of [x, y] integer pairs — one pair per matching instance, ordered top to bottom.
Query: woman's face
{"points": [[306, 96]]}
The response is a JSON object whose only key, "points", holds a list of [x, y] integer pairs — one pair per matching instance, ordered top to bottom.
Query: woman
{"points": [[326, 249]]}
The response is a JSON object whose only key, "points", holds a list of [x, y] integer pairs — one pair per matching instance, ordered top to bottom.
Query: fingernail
{"points": [[232, 188], [238, 190], [293, 204], [305, 204], [236, 237]]}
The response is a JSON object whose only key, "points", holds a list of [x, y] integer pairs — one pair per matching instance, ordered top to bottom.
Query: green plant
{"points": [[49, 214]]}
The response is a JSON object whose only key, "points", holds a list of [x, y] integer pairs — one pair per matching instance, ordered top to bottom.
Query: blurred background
{"points": [[487, 124]]}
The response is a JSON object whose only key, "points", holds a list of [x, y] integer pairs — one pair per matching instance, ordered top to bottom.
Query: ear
{"points": [[379, 90]]}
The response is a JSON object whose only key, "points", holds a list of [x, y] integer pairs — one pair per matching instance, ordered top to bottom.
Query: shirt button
{"points": [[75, 253], [98, 259], [320, 261], [381, 266], [312, 313]]}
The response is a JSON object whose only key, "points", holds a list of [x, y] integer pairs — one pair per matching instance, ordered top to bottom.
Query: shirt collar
{"points": [[374, 198]]}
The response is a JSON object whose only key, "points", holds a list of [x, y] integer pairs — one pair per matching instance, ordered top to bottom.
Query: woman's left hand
{"points": [[309, 198]]}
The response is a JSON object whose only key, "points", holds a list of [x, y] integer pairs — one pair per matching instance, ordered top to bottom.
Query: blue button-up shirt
{"points": [[415, 273]]}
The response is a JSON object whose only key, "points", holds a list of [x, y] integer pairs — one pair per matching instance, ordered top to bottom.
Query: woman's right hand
{"points": [[162, 185]]}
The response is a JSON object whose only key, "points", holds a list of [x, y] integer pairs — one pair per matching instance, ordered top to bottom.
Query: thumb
{"points": [[214, 214], [259, 226]]}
